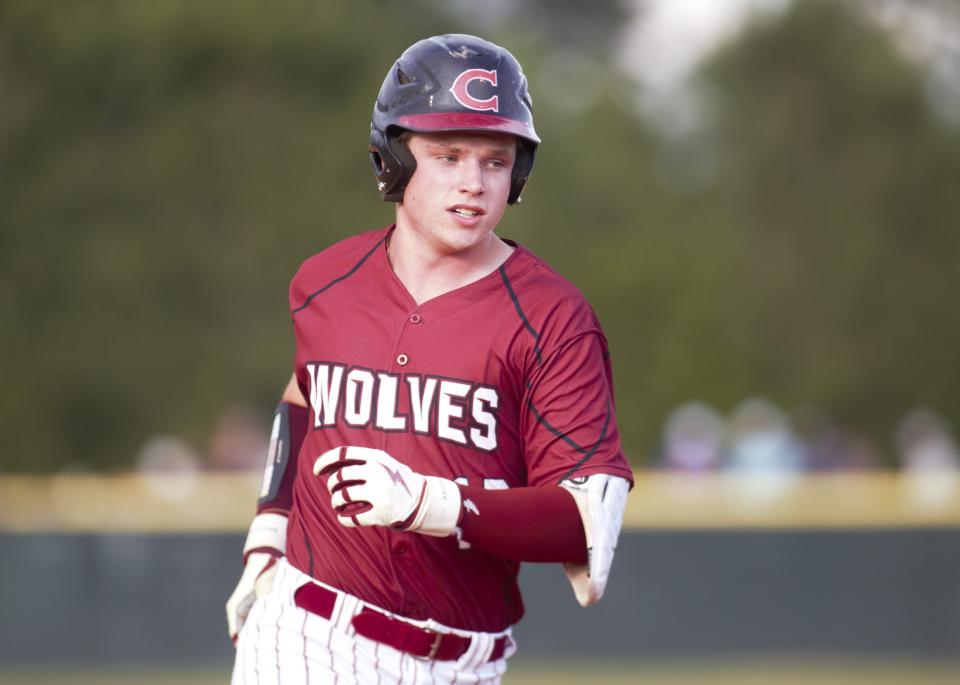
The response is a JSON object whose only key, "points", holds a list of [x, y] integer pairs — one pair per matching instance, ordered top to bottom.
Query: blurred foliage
{"points": [[165, 167], [842, 187]]}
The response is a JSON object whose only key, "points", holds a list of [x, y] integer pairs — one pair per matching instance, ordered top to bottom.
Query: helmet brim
{"points": [[432, 122]]}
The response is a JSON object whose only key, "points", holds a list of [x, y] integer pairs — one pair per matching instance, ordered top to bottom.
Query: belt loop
{"points": [[350, 607], [500, 647], [476, 653]]}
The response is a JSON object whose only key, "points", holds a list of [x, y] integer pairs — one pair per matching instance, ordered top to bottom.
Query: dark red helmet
{"points": [[454, 82]]}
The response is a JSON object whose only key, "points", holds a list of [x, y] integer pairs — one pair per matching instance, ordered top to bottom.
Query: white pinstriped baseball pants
{"points": [[281, 644]]}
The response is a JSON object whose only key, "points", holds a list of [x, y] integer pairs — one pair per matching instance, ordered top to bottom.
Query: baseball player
{"points": [[450, 414]]}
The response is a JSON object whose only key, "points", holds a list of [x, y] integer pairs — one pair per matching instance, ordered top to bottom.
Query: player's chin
{"points": [[458, 239]]}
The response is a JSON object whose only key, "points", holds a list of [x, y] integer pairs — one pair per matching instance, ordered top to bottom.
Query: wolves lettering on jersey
{"points": [[455, 410]]}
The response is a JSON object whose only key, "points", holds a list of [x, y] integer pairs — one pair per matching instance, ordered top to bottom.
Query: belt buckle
{"points": [[434, 648]]}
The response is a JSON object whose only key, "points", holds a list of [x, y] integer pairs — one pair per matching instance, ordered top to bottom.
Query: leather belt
{"points": [[406, 637]]}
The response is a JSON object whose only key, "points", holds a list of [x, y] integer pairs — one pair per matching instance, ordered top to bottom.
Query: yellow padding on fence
{"points": [[845, 500], [186, 502], [214, 502]]}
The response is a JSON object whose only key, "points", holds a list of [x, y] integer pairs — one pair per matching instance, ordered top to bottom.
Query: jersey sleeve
{"points": [[297, 292], [298, 296], [569, 425]]}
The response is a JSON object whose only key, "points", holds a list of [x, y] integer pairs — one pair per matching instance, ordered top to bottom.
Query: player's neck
{"points": [[428, 271]]}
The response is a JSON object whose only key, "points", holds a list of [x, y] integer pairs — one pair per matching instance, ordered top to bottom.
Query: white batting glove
{"points": [[368, 487], [266, 542], [255, 582]]}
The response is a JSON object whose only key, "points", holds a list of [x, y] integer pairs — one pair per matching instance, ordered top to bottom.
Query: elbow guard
{"points": [[286, 437], [601, 499]]}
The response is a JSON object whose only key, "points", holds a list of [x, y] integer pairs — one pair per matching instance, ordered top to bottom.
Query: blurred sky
{"points": [[667, 40]]}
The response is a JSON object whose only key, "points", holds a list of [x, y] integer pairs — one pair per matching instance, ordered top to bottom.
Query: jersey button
{"points": [[415, 318], [402, 359], [400, 548]]}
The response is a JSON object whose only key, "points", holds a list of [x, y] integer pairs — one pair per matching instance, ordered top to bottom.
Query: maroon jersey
{"points": [[504, 382]]}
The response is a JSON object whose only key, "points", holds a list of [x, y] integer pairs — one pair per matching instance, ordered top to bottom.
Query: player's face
{"points": [[459, 190]]}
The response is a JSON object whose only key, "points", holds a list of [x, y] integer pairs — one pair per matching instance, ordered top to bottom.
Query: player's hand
{"points": [[368, 487], [266, 542], [256, 581]]}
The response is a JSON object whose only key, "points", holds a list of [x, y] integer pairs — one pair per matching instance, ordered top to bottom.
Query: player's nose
{"points": [[471, 177]]}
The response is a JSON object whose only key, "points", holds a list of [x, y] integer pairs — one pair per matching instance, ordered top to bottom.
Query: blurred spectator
{"points": [[692, 437], [239, 439], [761, 439], [926, 443], [762, 452], [167, 454], [930, 459], [168, 466]]}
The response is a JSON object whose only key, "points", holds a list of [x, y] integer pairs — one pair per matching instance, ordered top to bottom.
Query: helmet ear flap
{"points": [[406, 161], [393, 164], [522, 168]]}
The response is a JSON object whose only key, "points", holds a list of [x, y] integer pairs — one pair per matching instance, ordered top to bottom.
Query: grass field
{"points": [[714, 672]]}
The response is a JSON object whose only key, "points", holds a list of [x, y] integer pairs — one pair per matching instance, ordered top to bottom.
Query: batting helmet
{"points": [[454, 82]]}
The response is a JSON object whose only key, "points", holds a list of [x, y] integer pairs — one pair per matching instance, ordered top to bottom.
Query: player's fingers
{"points": [[334, 459], [325, 460], [350, 473], [346, 477], [334, 486], [377, 495], [343, 497], [353, 509], [348, 511], [372, 516], [378, 516], [364, 518], [348, 521], [237, 615]]}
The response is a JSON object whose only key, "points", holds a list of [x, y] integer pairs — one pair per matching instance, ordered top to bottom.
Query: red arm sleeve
{"points": [[524, 524]]}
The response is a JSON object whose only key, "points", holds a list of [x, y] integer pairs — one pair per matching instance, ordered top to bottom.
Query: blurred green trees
{"points": [[164, 168]]}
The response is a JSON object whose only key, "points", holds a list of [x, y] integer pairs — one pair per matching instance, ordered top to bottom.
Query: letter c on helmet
{"points": [[460, 92]]}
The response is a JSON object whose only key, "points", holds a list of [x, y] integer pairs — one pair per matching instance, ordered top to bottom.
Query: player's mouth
{"points": [[467, 214]]}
